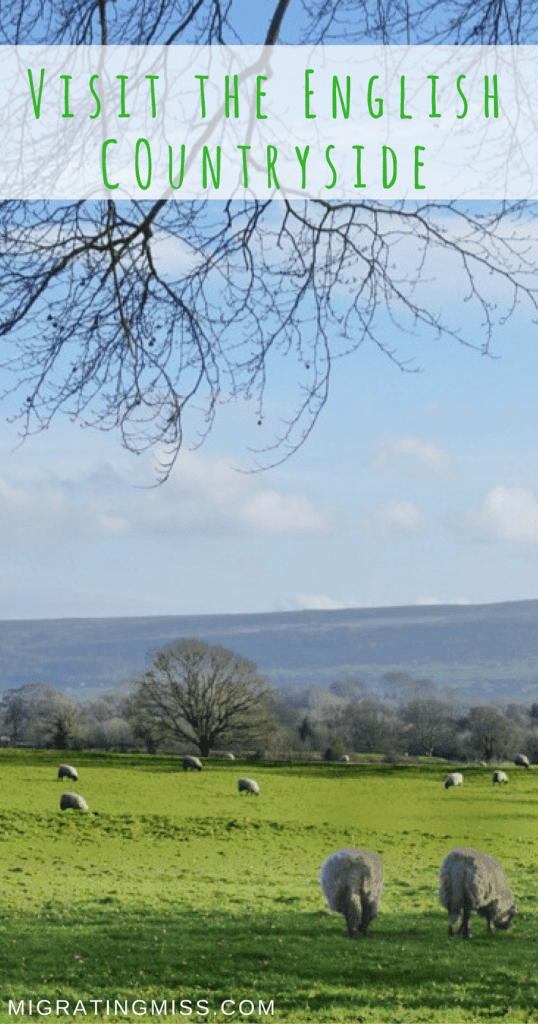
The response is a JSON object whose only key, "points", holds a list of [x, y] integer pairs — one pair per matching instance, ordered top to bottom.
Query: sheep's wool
{"points": [[248, 786], [74, 801], [476, 878]]}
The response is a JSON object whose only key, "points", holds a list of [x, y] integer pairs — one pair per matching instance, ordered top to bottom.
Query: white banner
{"points": [[331, 122]]}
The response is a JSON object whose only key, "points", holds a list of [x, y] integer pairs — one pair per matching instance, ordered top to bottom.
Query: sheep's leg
{"points": [[349, 905], [369, 910], [453, 916], [355, 924], [464, 931]]}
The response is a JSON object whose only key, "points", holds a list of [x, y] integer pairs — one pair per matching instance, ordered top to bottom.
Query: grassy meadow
{"points": [[181, 889]]}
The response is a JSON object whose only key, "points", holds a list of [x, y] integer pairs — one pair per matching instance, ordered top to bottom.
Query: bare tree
{"points": [[99, 332], [201, 693], [16, 712], [41, 715], [429, 721], [371, 727], [147, 728], [492, 734]]}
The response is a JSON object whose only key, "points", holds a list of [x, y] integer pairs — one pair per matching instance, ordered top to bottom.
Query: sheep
{"points": [[228, 756], [344, 758], [522, 761], [191, 762], [66, 771], [499, 776], [454, 779], [248, 786], [74, 801], [471, 880], [351, 881]]}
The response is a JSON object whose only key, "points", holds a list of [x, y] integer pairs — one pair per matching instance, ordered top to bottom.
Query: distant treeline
{"points": [[402, 716]]}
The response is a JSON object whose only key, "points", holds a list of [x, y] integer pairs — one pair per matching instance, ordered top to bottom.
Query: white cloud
{"points": [[172, 256], [416, 457], [203, 498], [269, 512], [506, 514], [397, 518], [438, 600]]}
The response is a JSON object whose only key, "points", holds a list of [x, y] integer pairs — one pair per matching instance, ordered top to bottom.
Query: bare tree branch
{"points": [[97, 324]]}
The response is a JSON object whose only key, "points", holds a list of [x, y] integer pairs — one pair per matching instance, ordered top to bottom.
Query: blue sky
{"points": [[413, 488]]}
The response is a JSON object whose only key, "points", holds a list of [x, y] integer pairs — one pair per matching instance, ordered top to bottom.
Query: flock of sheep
{"points": [[456, 778], [243, 785], [70, 800], [73, 801], [352, 879], [471, 881]]}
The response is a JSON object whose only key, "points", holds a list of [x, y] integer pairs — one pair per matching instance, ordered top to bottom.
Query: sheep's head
{"points": [[503, 918]]}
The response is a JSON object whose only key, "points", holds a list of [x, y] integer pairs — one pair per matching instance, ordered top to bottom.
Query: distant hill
{"points": [[488, 652]]}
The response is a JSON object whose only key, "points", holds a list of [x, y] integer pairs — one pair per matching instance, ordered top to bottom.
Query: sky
{"points": [[414, 488]]}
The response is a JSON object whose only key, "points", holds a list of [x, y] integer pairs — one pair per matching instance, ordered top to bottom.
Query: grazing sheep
{"points": [[228, 756], [344, 758], [522, 761], [191, 762], [66, 771], [499, 776], [454, 779], [248, 786], [74, 801], [351, 880], [471, 880]]}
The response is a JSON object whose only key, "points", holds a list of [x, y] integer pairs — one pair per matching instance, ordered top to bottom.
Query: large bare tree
{"points": [[94, 328], [202, 693]]}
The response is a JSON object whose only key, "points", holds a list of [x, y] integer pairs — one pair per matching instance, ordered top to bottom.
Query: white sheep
{"points": [[228, 756], [344, 758], [522, 761], [191, 762], [66, 771], [499, 776], [454, 779], [248, 786], [74, 801], [352, 880], [471, 880]]}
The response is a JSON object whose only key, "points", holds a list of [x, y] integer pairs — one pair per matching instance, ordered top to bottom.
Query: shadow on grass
{"points": [[407, 969]]}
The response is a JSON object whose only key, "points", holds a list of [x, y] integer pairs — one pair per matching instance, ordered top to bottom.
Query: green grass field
{"points": [[180, 889]]}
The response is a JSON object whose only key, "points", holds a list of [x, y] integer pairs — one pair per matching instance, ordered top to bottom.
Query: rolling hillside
{"points": [[489, 651]]}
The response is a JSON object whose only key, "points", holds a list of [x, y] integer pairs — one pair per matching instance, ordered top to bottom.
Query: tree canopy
{"points": [[202, 693]]}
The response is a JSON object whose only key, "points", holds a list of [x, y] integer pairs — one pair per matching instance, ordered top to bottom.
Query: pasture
{"points": [[182, 890]]}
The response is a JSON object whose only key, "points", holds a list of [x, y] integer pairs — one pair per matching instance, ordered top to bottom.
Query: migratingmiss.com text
{"points": [[140, 1008]]}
